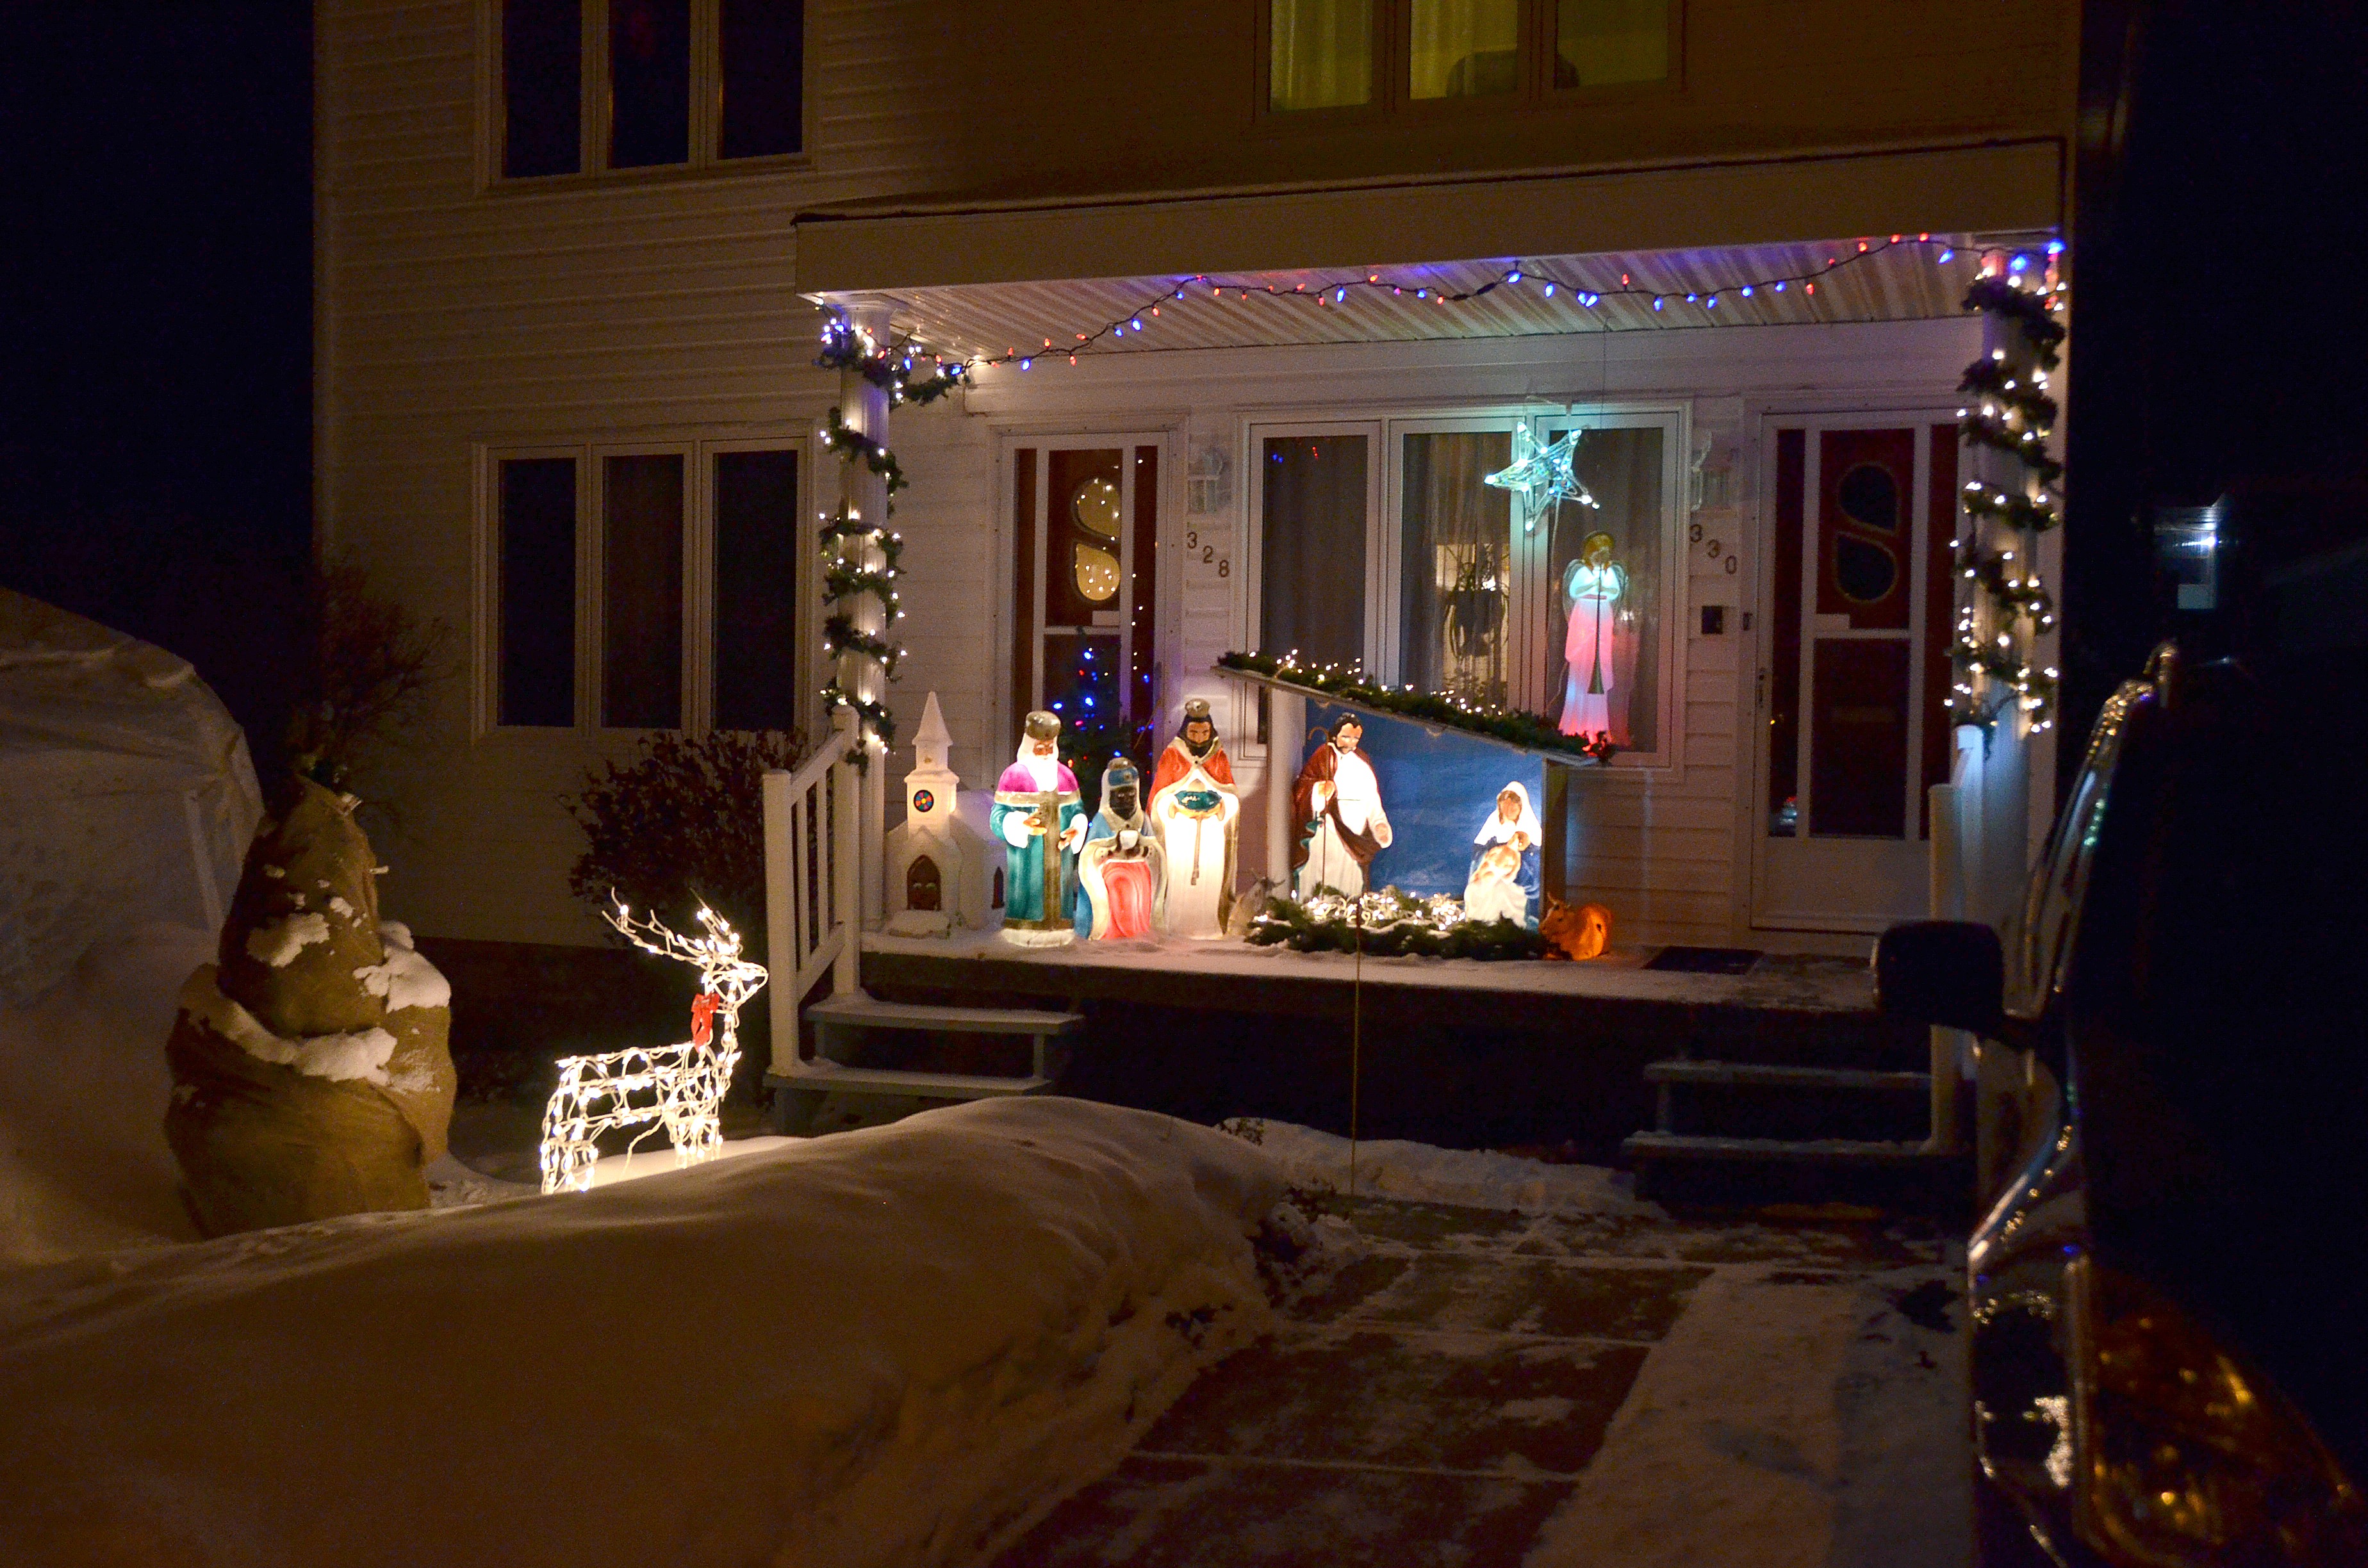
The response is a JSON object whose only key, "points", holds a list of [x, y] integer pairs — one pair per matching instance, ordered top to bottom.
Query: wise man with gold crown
{"points": [[1196, 816], [1040, 819]]}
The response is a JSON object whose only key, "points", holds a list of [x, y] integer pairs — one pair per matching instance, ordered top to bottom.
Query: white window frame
{"points": [[593, 107], [697, 673], [1529, 679]]}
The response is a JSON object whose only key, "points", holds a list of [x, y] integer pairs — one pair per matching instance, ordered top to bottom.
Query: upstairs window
{"points": [[1393, 55], [599, 87]]}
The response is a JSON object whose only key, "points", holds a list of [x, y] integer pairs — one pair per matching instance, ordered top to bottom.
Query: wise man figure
{"points": [[1338, 804], [1196, 816], [1040, 821], [1119, 871]]}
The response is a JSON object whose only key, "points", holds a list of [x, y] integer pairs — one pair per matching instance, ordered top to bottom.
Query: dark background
{"points": [[155, 339], [155, 370]]}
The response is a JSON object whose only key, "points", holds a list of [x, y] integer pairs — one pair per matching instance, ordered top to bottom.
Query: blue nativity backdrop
{"points": [[1437, 789]]}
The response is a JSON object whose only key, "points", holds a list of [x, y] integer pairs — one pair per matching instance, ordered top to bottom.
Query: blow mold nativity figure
{"points": [[1595, 586], [1337, 803], [1038, 815], [1196, 817], [1119, 869], [1503, 884]]}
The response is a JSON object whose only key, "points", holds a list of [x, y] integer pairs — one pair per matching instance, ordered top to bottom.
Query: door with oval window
{"points": [[1084, 594], [1854, 667]]}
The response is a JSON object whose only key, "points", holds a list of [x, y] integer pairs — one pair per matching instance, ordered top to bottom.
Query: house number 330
{"points": [[1208, 552]]}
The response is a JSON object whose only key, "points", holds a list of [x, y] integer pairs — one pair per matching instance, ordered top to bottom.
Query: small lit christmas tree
{"points": [[1093, 715]]}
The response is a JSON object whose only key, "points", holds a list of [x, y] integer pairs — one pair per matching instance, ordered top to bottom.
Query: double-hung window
{"points": [[1391, 56], [602, 86], [1380, 542], [649, 587]]}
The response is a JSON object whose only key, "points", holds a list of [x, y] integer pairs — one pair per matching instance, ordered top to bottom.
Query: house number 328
{"points": [[1208, 552]]}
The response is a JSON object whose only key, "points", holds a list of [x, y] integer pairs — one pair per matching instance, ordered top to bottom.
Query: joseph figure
{"points": [[1338, 804], [1039, 819]]}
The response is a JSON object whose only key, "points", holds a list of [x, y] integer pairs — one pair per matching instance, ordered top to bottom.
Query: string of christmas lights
{"points": [[1586, 296], [850, 542], [2002, 606], [1445, 710]]}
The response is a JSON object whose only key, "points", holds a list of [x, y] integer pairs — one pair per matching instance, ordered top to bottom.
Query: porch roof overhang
{"points": [[897, 246]]}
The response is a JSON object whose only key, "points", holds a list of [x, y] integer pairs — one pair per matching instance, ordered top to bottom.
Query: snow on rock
{"points": [[277, 944], [83, 1165], [1418, 1173], [891, 1346]]}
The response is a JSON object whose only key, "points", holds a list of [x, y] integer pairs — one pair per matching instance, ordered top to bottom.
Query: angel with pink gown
{"points": [[1594, 585]]}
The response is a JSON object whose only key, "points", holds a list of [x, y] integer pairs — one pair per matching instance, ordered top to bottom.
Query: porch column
{"points": [[864, 407], [1286, 721]]}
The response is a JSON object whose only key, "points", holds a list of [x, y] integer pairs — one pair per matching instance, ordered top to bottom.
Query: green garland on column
{"points": [[2008, 410]]}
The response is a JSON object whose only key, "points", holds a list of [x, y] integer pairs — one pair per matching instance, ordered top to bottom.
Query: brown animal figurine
{"points": [[1581, 931]]}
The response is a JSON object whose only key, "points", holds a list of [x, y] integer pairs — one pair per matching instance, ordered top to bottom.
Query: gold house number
{"points": [[1208, 552]]}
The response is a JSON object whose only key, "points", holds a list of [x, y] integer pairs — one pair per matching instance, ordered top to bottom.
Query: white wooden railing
{"points": [[816, 874]]}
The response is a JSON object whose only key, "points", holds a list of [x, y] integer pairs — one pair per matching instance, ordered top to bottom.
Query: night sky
{"points": [[155, 381]]}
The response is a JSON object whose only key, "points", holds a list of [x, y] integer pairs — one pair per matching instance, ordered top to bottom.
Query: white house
{"points": [[1322, 265]]}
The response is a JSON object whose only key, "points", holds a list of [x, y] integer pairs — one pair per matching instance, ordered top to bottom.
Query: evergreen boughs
{"points": [[889, 368], [851, 445], [1523, 729], [1389, 923]]}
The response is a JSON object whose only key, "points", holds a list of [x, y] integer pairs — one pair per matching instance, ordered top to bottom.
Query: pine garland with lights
{"points": [[889, 368], [850, 444], [2005, 607], [1523, 729], [1389, 923]]}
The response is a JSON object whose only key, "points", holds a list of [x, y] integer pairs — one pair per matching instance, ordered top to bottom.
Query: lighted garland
{"points": [[1689, 306], [846, 346], [2008, 410], [850, 444], [842, 580], [1520, 728], [1391, 923]]}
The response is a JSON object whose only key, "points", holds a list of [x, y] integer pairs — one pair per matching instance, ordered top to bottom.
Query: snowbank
{"points": [[83, 1086], [1418, 1173], [890, 1346]]}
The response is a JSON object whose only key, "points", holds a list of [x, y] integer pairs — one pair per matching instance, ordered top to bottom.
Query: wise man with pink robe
{"points": [[1119, 871]]}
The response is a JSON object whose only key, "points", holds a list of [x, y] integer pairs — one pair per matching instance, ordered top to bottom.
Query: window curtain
{"points": [[1461, 49], [1321, 54], [1312, 549], [1455, 576]]}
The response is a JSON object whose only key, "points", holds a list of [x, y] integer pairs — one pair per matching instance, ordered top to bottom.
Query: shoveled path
{"points": [[1476, 1388]]}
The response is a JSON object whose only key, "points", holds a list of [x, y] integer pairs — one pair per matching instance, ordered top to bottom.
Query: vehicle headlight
{"points": [[2183, 1455]]}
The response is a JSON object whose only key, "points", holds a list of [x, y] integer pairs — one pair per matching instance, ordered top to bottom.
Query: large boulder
{"points": [[312, 1070]]}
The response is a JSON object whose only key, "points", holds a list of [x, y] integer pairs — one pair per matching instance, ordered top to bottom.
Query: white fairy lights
{"points": [[675, 1088]]}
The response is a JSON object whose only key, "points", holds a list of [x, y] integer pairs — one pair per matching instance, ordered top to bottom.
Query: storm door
{"points": [[1084, 593], [1853, 668]]}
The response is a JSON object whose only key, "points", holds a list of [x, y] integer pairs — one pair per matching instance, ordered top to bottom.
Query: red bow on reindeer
{"points": [[702, 1015]]}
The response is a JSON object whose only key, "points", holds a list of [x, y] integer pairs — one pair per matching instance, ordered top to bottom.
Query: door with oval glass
{"points": [[1085, 515], [1853, 666]]}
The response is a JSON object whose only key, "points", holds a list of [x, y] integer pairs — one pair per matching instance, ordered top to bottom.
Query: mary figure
{"points": [[1504, 880]]}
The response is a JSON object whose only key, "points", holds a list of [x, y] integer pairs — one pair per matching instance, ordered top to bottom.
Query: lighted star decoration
{"points": [[1543, 475]]}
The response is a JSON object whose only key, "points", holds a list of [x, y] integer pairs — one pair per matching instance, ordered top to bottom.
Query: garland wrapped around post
{"points": [[858, 550], [2002, 606]]}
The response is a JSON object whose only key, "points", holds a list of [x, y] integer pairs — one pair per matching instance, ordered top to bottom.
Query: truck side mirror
{"points": [[1949, 973]]}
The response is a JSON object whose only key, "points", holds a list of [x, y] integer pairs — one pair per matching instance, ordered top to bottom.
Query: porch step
{"points": [[843, 1026], [1755, 1075], [829, 1077], [1653, 1147], [1711, 1169]]}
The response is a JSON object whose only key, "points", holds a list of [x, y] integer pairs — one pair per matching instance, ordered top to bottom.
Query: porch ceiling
{"points": [[1904, 281]]}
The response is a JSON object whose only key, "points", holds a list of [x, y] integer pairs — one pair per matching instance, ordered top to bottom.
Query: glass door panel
{"points": [[1456, 566], [1604, 573]]}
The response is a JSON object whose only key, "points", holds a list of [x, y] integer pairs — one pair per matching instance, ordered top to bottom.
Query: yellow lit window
{"points": [[1320, 53]]}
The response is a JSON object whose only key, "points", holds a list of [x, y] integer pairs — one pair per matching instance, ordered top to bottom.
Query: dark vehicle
{"points": [[2169, 1348]]}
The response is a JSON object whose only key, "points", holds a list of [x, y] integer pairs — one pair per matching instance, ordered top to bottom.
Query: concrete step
{"points": [[863, 1011], [1755, 1075], [829, 1077], [1651, 1147], [1706, 1169]]}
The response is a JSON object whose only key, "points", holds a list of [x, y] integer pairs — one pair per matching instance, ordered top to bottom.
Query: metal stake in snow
{"points": [[1356, 1027], [677, 1087]]}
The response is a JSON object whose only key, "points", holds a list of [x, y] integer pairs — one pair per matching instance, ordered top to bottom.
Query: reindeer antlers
{"points": [[716, 956]]}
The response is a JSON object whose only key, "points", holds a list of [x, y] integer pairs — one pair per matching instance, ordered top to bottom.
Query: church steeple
{"points": [[930, 788]]}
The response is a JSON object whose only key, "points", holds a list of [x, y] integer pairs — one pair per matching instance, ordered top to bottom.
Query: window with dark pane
{"points": [[1598, 42], [760, 46], [649, 83], [542, 87], [1312, 548], [757, 558], [640, 574], [535, 658]]}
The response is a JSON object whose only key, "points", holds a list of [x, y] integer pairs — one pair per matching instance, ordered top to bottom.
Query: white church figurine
{"points": [[940, 867]]}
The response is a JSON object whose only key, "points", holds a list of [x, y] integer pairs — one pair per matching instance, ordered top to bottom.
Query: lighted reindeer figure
{"points": [[675, 1088]]}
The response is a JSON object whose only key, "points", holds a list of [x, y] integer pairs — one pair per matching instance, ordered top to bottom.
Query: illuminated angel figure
{"points": [[1542, 473], [1594, 584], [675, 1088]]}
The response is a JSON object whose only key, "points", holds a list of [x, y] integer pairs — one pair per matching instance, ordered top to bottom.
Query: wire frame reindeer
{"points": [[677, 1089]]}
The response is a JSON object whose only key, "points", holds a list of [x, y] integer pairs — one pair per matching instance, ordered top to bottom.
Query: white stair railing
{"points": [[814, 868]]}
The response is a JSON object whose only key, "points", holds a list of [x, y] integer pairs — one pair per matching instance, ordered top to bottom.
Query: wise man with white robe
{"points": [[1338, 804], [1196, 816], [1040, 818], [1503, 884]]}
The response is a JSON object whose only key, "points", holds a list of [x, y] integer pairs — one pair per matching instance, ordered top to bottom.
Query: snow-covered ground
{"points": [[891, 1346]]}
